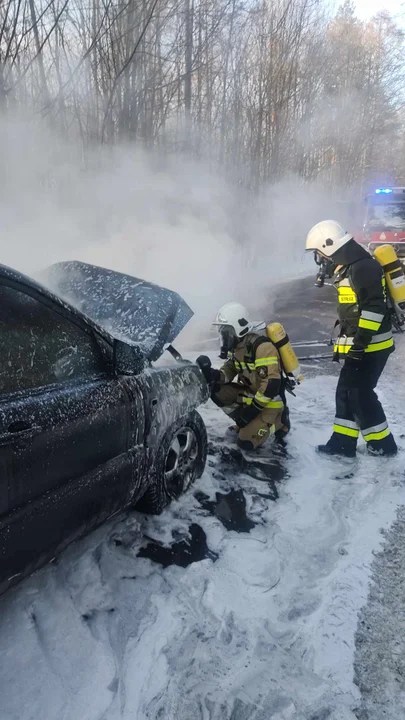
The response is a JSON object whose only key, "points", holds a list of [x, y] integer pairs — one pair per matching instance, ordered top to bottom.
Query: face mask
{"points": [[228, 340]]}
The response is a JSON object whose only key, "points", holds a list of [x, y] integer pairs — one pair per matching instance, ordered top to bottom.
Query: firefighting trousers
{"points": [[358, 408], [259, 429]]}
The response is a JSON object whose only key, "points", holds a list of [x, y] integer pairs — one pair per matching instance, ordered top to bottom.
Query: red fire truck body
{"points": [[384, 220]]}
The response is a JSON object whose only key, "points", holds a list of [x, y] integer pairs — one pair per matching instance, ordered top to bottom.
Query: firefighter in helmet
{"points": [[365, 342], [256, 401]]}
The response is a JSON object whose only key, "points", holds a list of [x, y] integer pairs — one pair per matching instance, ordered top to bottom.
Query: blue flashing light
{"points": [[384, 191]]}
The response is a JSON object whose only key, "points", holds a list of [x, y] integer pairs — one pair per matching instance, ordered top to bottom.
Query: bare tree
{"points": [[262, 88]]}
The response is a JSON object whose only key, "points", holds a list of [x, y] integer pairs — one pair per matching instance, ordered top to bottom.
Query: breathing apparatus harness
{"points": [[290, 369], [288, 383]]}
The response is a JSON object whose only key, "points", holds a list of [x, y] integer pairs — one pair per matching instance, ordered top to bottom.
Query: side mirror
{"points": [[127, 359]]}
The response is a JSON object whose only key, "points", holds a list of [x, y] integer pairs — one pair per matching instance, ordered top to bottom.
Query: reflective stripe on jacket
{"points": [[381, 341]]}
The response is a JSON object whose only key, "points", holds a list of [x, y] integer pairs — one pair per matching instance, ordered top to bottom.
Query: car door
{"points": [[68, 430]]}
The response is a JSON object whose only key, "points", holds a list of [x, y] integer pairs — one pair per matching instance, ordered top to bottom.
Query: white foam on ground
{"points": [[264, 633]]}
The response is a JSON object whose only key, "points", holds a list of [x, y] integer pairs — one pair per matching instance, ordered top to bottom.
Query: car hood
{"points": [[127, 308]]}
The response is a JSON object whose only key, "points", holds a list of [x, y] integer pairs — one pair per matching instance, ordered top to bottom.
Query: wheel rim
{"points": [[181, 462]]}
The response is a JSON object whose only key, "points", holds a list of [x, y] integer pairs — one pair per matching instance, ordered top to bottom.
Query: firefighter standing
{"points": [[365, 342], [256, 402]]}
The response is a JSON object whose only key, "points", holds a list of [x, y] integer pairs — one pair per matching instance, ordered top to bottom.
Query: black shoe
{"points": [[280, 435], [246, 445], [383, 448], [332, 450], [380, 452]]}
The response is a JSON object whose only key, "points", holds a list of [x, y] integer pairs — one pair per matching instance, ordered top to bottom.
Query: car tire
{"points": [[179, 461]]}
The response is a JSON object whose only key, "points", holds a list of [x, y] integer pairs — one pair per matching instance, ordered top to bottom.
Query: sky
{"points": [[367, 8]]}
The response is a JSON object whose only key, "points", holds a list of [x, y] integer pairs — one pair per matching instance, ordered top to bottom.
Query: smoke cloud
{"points": [[168, 220]]}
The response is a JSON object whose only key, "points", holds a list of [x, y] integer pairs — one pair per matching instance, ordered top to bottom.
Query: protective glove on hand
{"points": [[354, 357], [211, 375]]}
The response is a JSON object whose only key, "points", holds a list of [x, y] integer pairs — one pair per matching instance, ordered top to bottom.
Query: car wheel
{"points": [[180, 460]]}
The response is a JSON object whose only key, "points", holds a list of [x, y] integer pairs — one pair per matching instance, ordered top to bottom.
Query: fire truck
{"points": [[384, 220], [383, 223]]}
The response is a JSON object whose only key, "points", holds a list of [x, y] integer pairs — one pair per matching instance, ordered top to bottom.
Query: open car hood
{"points": [[127, 308]]}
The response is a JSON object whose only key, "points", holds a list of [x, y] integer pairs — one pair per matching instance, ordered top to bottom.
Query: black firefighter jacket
{"points": [[364, 316]]}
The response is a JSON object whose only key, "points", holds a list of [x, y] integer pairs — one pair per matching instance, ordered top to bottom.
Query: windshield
{"points": [[386, 217]]}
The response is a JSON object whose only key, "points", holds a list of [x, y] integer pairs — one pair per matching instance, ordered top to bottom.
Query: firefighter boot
{"points": [[385, 447], [346, 448]]}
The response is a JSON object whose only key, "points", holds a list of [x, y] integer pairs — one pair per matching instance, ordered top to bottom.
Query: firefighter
{"points": [[365, 342], [256, 401]]}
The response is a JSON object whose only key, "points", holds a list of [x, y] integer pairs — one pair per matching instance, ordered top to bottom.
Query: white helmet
{"points": [[327, 237], [236, 316]]}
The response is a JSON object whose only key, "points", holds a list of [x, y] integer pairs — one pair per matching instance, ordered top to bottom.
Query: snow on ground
{"points": [[260, 626]]}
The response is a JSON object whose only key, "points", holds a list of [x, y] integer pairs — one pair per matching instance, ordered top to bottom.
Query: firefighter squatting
{"points": [[260, 364]]}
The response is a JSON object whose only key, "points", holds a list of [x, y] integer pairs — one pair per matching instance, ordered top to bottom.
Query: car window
{"points": [[39, 347]]}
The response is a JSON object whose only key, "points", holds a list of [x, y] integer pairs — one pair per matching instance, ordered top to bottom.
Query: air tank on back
{"points": [[394, 277], [279, 338]]}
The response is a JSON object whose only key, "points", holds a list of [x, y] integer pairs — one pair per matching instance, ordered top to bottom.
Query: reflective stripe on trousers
{"points": [[345, 427], [350, 429], [376, 432]]}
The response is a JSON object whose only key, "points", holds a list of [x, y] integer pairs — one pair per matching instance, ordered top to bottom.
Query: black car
{"points": [[88, 425]]}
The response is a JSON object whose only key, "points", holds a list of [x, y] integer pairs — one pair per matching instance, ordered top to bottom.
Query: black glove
{"points": [[354, 357], [212, 376]]}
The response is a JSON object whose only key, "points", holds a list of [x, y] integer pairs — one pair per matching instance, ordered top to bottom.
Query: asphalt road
{"points": [[308, 314]]}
